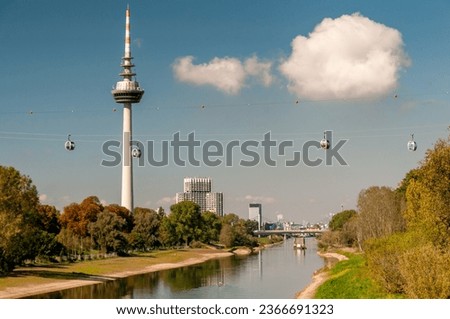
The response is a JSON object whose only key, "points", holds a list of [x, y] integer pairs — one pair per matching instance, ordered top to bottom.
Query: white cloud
{"points": [[348, 57], [260, 70], [225, 74], [43, 197], [257, 199], [166, 200]]}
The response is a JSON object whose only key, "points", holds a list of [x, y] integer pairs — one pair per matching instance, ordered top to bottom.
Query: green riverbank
{"points": [[350, 279]]}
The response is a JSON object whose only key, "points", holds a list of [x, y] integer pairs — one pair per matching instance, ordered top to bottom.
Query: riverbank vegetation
{"points": [[33, 232], [403, 233], [351, 279]]}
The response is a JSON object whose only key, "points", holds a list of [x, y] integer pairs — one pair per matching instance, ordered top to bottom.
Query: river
{"points": [[278, 272]]}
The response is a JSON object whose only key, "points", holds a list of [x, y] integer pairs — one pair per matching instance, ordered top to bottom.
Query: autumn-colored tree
{"points": [[403, 185], [428, 196], [379, 213], [76, 217], [75, 221], [383, 255], [416, 261], [426, 272]]}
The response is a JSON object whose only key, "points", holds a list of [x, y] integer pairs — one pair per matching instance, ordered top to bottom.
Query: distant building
{"points": [[197, 184], [198, 190], [214, 203], [255, 213]]}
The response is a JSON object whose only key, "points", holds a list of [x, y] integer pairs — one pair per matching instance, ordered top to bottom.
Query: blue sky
{"points": [[373, 72]]}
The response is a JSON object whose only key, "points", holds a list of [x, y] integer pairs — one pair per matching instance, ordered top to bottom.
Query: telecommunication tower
{"points": [[127, 92]]}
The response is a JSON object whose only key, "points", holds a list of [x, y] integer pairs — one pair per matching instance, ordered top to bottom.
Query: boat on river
{"points": [[299, 243]]}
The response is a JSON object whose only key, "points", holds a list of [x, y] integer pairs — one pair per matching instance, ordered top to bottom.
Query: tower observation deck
{"points": [[127, 92]]}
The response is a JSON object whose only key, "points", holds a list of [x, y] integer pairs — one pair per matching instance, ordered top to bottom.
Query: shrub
{"points": [[383, 257], [426, 272]]}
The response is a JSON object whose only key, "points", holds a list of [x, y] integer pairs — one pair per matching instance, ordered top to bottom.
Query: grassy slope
{"points": [[350, 279]]}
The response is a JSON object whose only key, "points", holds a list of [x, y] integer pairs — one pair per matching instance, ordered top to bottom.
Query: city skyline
{"points": [[229, 72]]}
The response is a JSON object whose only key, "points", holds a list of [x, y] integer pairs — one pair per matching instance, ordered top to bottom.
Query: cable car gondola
{"points": [[324, 143], [69, 145], [412, 145], [136, 153]]}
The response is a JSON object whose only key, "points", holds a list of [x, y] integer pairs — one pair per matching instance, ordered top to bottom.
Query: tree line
{"points": [[32, 230], [404, 231]]}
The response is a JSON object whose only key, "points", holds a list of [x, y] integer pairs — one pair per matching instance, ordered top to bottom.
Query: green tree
{"points": [[18, 208], [161, 212], [123, 213], [48, 219], [231, 219], [338, 220], [187, 221], [211, 226], [250, 226], [107, 232], [237, 232], [145, 233], [167, 233], [243, 235], [226, 236], [71, 241]]}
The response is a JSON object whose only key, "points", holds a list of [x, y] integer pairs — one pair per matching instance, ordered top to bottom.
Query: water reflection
{"points": [[277, 272]]}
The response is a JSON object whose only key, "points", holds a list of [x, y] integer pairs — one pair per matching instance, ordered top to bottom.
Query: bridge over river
{"points": [[302, 232]]}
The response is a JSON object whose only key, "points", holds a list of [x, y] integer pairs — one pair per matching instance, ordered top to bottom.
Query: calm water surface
{"points": [[273, 273]]}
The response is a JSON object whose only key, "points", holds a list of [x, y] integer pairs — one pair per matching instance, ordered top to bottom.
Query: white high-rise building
{"points": [[197, 184], [198, 190], [214, 203], [255, 213]]}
